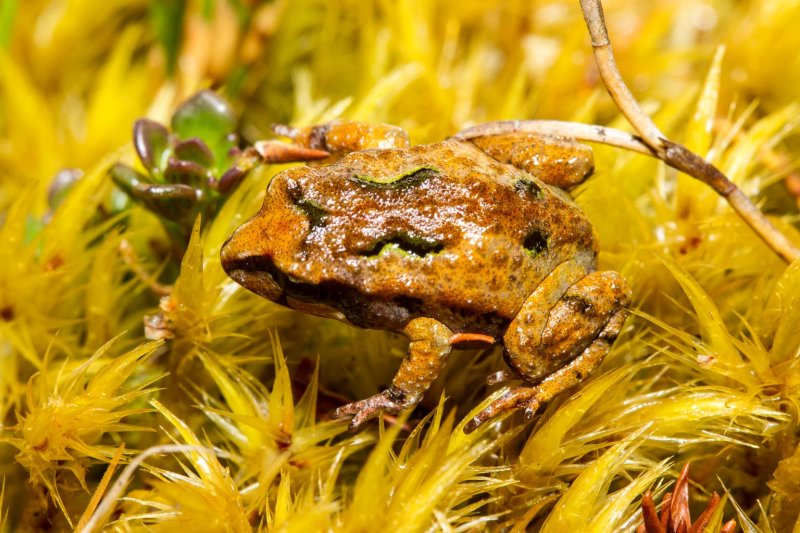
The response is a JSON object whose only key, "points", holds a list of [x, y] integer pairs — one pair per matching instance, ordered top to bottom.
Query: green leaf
{"points": [[208, 117], [194, 150], [186, 173], [127, 178], [176, 202]]}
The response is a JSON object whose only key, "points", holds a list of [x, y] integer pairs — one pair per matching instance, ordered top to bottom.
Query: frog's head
{"points": [[273, 237], [246, 261]]}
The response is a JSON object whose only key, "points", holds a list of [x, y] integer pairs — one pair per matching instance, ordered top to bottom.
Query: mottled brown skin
{"points": [[443, 242]]}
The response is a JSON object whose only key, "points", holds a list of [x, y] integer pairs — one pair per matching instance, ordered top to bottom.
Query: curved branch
{"points": [[612, 79], [674, 154]]}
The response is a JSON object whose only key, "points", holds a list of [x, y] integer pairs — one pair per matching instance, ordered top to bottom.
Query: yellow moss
{"points": [[67, 412]]}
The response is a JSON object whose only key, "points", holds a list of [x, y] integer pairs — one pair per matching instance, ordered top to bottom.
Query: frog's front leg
{"points": [[332, 139], [558, 161], [555, 348], [427, 352]]}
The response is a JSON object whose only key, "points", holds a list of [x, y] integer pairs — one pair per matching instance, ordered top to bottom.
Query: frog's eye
{"points": [[535, 242], [404, 244]]}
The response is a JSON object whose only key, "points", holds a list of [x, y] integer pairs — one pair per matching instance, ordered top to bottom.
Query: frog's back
{"points": [[439, 230]]}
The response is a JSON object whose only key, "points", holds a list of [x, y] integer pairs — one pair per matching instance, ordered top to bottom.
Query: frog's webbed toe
{"points": [[390, 401]]}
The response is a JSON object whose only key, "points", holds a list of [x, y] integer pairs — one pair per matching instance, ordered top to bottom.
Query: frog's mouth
{"points": [[252, 272], [260, 275], [260, 283]]}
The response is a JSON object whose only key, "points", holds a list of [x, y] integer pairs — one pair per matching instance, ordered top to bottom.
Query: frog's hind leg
{"points": [[558, 161], [556, 346], [427, 353], [530, 398]]}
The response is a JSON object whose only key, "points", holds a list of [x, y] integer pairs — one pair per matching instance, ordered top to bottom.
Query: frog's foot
{"points": [[518, 398], [391, 401]]}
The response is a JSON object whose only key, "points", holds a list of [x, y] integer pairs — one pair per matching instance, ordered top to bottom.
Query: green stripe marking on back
{"points": [[407, 179]]}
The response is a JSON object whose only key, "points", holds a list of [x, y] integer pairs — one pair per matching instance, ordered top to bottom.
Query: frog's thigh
{"points": [[344, 136], [560, 162], [571, 324], [523, 338], [427, 353]]}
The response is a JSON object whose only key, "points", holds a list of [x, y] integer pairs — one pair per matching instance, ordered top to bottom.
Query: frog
{"points": [[460, 243]]}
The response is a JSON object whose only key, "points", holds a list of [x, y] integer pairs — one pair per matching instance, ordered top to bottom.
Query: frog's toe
{"points": [[517, 398], [530, 407], [364, 410]]}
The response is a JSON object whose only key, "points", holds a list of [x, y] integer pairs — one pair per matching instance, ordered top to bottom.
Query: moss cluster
{"points": [[705, 371]]}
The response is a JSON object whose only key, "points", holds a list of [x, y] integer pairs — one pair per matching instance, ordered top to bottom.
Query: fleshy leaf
{"points": [[207, 116], [151, 141], [194, 150], [186, 172], [127, 178], [175, 201]]}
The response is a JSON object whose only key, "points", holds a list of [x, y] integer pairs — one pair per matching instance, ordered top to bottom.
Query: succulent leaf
{"points": [[209, 117], [151, 141], [194, 150], [184, 172], [127, 178], [177, 202]]}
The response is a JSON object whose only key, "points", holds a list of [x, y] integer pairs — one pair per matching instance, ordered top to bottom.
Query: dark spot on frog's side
{"points": [[528, 187], [316, 213], [317, 216], [535, 242], [578, 304]]}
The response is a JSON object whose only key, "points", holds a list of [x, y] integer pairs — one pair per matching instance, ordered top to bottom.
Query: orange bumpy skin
{"points": [[437, 241]]}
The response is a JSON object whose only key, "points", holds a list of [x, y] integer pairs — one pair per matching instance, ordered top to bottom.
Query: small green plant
{"points": [[191, 168]]}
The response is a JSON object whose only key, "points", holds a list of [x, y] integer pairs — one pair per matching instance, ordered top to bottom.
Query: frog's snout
{"points": [[248, 268]]}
